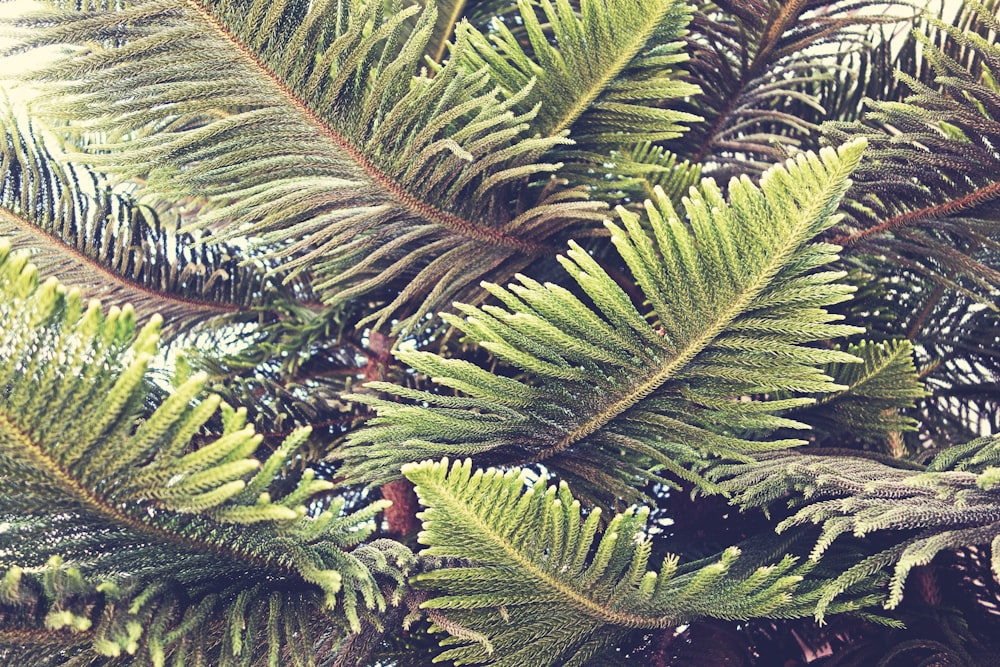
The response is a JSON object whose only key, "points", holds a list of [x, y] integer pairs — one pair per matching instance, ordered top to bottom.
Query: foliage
{"points": [[362, 239], [724, 323], [112, 494], [534, 567]]}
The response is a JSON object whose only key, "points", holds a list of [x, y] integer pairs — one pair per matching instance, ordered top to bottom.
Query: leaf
{"points": [[450, 12], [605, 72], [379, 180], [922, 200], [107, 244], [877, 389], [613, 396], [952, 505], [184, 537], [527, 580]]}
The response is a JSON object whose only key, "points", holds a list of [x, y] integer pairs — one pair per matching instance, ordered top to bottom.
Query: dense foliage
{"points": [[483, 332]]}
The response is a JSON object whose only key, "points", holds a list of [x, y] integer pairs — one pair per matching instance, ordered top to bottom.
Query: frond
{"points": [[449, 14], [762, 67], [603, 71], [321, 139], [632, 176], [922, 198], [110, 246], [955, 343], [290, 373], [612, 396], [868, 410], [952, 505], [181, 545], [536, 583]]}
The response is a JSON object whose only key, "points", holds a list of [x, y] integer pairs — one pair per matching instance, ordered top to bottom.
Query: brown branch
{"points": [[789, 14], [974, 198], [401, 517], [38, 636]]}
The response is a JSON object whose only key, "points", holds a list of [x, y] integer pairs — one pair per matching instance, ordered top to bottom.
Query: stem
{"points": [[974, 198], [167, 304], [402, 516]]}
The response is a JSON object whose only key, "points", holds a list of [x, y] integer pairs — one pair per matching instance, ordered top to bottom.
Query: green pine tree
{"points": [[572, 332]]}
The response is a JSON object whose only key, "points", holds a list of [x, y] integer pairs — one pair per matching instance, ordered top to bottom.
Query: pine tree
{"points": [[568, 332]]}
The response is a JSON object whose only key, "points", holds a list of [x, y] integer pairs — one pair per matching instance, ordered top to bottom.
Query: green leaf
{"points": [[604, 71], [322, 140], [104, 242], [877, 389], [612, 395], [165, 533], [519, 559]]}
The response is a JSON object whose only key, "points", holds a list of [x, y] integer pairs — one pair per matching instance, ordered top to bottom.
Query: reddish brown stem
{"points": [[941, 210], [402, 516], [926, 584]]}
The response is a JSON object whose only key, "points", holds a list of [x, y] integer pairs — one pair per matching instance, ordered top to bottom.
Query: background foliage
{"points": [[556, 332]]}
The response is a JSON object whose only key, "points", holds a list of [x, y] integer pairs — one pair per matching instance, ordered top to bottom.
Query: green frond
{"points": [[604, 71], [633, 175], [380, 180], [923, 199], [110, 246], [877, 389], [612, 395], [726, 425], [973, 457], [947, 507], [172, 539], [536, 583]]}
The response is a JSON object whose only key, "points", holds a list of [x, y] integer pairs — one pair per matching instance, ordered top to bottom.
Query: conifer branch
{"points": [[761, 63], [602, 76], [934, 160], [390, 185], [407, 195], [346, 209], [942, 210], [108, 244], [90, 273], [662, 385], [876, 402], [953, 503], [202, 520], [525, 553]]}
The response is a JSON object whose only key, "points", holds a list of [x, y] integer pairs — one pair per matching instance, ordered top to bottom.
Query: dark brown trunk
{"points": [[401, 517]]}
